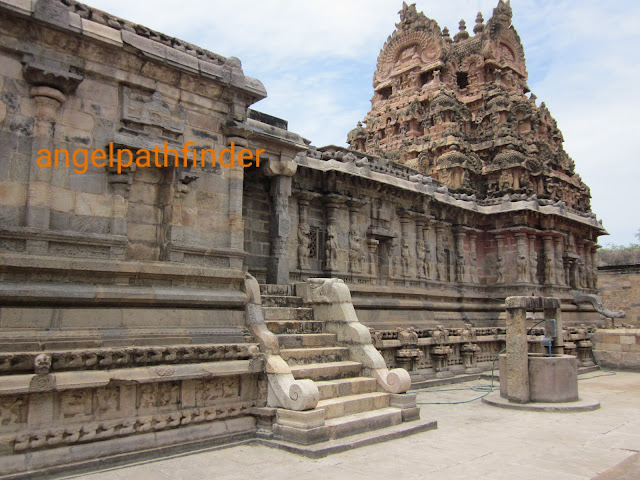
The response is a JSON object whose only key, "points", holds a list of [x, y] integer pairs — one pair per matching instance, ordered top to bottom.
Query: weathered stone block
{"points": [[101, 32]]}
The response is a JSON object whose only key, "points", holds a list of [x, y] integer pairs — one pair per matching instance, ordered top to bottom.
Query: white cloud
{"points": [[316, 59]]}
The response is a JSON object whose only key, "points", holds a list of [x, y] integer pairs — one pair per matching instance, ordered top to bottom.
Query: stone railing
{"points": [[444, 352]]}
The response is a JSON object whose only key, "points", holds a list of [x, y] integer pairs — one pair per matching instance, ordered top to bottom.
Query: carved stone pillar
{"points": [[51, 83], [281, 170], [333, 203], [304, 231], [174, 233], [460, 236], [372, 245], [356, 248], [405, 249], [421, 254], [473, 258], [533, 258], [549, 260], [441, 261], [500, 262], [522, 262], [559, 263], [588, 265], [594, 266], [430, 268], [581, 268], [516, 376]]}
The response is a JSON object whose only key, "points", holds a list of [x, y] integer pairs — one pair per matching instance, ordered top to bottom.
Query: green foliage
{"points": [[620, 254]]}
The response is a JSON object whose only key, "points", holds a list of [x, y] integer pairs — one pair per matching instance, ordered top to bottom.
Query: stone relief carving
{"points": [[304, 241], [331, 249], [356, 251], [406, 258], [521, 267], [500, 269], [94, 359], [42, 364], [107, 399], [75, 403], [12, 410], [94, 431]]}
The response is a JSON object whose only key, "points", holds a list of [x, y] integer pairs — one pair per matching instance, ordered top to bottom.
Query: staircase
{"points": [[350, 403]]}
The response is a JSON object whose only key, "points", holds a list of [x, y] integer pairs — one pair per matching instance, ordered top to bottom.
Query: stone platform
{"points": [[581, 405], [473, 441]]}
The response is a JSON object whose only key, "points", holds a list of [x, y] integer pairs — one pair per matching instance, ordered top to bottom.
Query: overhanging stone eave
{"points": [[228, 75], [255, 130], [426, 189]]}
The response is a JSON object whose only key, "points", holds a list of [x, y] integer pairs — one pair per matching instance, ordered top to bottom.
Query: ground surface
{"points": [[473, 441]]}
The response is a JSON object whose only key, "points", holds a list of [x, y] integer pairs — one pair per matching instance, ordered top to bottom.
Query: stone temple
{"points": [[150, 308]]}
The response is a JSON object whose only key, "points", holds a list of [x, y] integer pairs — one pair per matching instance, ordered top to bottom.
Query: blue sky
{"points": [[317, 57]]}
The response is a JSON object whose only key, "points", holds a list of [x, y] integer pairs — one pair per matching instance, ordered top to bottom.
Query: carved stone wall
{"points": [[442, 352]]}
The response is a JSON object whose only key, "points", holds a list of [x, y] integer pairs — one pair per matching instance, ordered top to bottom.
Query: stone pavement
{"points": [[473, 441]]}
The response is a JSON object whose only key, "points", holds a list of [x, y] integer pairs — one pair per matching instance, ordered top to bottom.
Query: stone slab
{"points": [[581, 405], [331, 447]]}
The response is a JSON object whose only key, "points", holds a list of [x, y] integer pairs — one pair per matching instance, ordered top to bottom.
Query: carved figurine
{"points": [[304, 241], [331, 249], [356, 252], [421, 254], [405, 258], [521, 267], [500, 269], [42, 364]]}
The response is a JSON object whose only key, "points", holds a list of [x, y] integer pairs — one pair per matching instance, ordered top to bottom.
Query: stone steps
{"points": [[272, 289], [281, 301], [287, 313], [294, 326], [299, 340], [303, 356], [327, 371], [346, 386], [352, 404], [340, 427], [357, 440]]}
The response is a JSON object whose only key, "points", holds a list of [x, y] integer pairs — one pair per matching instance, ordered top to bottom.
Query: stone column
{"points": [[50, 82], [281, 170], [333, 203], [172, 215], [236, 222], [304, 231], [372, 245], [356, 247], [405, 249], [421, 255], [440, 257], [473, 258], [533, 258], [549, 260], [460, 261], [500, 262], [522, 262], [559, 263], [588, 265], [594, 266], [430, 268], [581, 273], [517, 362]]}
